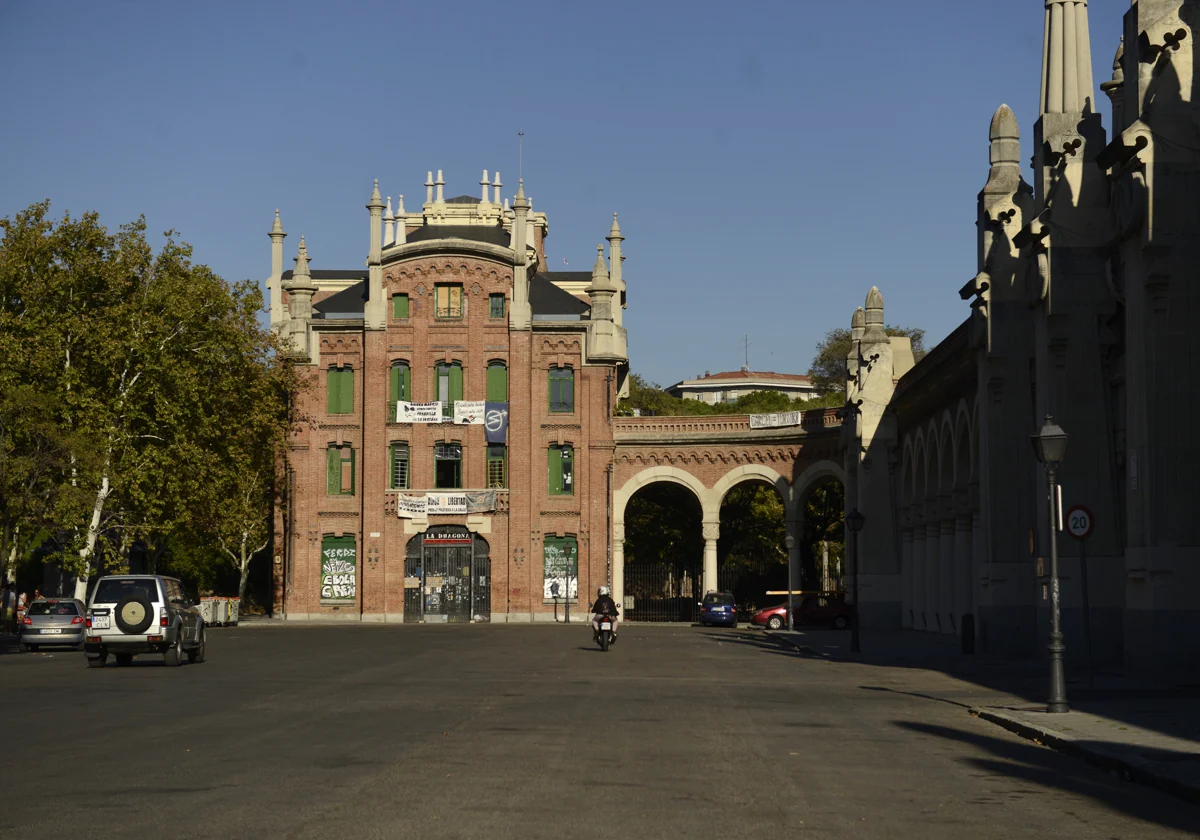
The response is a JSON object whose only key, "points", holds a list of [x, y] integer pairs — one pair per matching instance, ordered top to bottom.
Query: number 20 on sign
{"points": [[1080, 522]]}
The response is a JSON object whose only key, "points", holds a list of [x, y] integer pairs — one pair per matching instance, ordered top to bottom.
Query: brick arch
{"points": [[742, 474]]}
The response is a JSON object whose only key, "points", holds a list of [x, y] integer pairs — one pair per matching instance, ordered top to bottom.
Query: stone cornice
{"points": [[410, 250]]}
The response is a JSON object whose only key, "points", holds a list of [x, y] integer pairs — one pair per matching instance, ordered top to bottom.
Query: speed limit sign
{"points": [[1080, 522]]}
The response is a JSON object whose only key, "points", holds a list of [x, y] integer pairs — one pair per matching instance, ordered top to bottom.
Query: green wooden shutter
{"points": [[399, 306], [406, 383], [497, 383], [333, 384], [394, 384], [456, 384], [347, 391], [568, 396], [554, 459], [392, 466], [333, 471], [353, 477]]}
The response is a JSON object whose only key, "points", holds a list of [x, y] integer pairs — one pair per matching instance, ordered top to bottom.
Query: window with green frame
{"points": [[448, 300], [400, 306], [496, 306], [497, 382], [448, 385], [339, 387], [399, 387], [562, 390], [560, 460], [447, 463], [398, 466], [497, 466], [339, 470], [560, 565]]}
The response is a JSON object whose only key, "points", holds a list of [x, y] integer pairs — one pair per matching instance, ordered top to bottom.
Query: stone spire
{"points": [[1067, 60], [1005, 139], [440, 183], [484, 183], [496, 185], [429, 187], [401, 222], [389, 224], [616, 258], [273, 284], [602, 289], [300, 290], [373, 310], [520, 314], [874, 317], [858, 324]]}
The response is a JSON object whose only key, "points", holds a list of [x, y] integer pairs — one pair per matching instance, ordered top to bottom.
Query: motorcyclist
{"points": [[604, 606]]}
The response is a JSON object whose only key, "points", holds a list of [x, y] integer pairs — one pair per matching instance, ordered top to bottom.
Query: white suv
{"points": [[132, 614]]}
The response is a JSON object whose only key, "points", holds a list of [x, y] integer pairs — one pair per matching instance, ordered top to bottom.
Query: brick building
{"points": [[455, 458]]}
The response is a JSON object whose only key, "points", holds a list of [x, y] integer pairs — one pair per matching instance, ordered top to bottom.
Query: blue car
{"points": [[718, 608]]}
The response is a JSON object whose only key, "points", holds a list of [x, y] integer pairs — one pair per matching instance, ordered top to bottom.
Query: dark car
{"points": [[718, 608], [813, 611], [52, 622]]}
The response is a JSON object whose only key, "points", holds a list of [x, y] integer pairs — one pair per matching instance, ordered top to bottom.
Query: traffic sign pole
{"points": [[1080, 523]]}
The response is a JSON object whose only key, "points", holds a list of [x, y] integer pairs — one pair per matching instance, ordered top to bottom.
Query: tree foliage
{"points": [[828, 371], [144, 392]]}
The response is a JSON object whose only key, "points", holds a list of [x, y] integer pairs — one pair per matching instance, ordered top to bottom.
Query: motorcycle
{"points": [[604, 636]]}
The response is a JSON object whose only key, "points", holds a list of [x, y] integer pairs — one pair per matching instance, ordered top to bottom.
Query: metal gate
{"points": [[447, 577], [750, 581], [663, 591]]}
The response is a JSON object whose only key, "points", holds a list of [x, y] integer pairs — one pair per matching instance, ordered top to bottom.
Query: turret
{"points": [[401, 222], [389, 224], [614, 255], [274, 289], [300, 289], [373, 309], [520, 314]]}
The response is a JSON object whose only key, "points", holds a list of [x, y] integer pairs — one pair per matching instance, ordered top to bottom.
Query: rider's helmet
{"points": [[602, 591]]}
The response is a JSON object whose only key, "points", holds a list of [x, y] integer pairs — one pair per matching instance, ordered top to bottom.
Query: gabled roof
{"points": [[463, 199], [492, 234], [550, 302], [348, 303]]}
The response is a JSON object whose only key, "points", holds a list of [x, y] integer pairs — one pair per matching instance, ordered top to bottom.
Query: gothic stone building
{"points": [[455, 449]]}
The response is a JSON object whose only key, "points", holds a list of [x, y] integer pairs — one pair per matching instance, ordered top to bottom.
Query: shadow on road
{"points": [[1045, 769]]}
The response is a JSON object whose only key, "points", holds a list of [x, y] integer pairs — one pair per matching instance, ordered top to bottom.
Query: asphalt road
{"points": [[502, 732]]}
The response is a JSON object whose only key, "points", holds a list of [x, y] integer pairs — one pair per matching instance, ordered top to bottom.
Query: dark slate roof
{"points": [[463, 199], [494, 235], [330, 274], [567, 276], [550, 301], [348, 303]]}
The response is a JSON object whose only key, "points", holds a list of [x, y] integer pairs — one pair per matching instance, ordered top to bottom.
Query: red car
{"points": [[813, 611]]}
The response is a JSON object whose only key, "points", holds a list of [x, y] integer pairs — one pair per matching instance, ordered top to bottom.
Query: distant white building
{"points": [[727, 386]]}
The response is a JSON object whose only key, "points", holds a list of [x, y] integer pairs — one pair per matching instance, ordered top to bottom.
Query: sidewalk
{"points": [[1142, 731]]}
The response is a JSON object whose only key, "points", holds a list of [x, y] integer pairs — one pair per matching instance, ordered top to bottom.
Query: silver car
{"points": [[138, 614], [53, 622]]}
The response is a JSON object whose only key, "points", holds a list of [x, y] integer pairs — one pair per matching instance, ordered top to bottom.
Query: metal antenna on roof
{"points": [[520, 154], [746, 346]]}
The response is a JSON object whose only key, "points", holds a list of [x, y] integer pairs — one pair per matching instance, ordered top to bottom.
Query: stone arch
{"points": [[946, 454], [964, 463], [747, 472], [907, 472], [621, 497]]}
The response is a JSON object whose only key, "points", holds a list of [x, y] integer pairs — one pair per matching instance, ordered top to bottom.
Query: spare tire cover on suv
{"points": [[134, 614]]}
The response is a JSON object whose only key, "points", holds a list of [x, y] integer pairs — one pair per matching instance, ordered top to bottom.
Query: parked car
{"points": [[718, 608], [813, 611], [136, 614], [52, 622]]}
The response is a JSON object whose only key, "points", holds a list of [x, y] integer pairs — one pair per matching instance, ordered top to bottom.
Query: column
{"points": [[712, 530], [794, 531], [933, 536], [962, 561], [946, 562], [918, 577], [906, 579], [617, 584]]}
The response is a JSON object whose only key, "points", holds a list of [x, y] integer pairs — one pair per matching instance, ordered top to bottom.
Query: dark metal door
{"points": [[447, 577], [663, 591]]}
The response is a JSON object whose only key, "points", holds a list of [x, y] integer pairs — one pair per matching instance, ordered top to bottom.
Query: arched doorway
{"points": [[823, 540], [663, 553], [752, 556], [447, 576]]}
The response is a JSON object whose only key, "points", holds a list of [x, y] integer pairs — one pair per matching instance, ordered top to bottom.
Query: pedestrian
{"points": [[37, 595], [22, 605], [8, 608]]}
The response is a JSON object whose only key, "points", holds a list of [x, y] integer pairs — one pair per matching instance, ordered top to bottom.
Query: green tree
{"points": [[828, 371]]}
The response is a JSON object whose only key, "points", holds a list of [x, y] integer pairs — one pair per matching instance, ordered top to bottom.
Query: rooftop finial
{"points": [[1005, 137], [440, 183], [484, 183], [496, 185], [429, 187], [520, 190], [376, 199], [387, 209], [277, 228], [615, 231], [301, 260]]}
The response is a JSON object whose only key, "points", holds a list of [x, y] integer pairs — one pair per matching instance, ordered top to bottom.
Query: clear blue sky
{"points": [[770, 160]]}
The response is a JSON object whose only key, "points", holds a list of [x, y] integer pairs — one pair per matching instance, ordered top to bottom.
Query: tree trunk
{"points": [[85, 553], [245, 576]]}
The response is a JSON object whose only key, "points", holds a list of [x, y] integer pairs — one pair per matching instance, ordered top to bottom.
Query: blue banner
{"points": [[495, 422]]}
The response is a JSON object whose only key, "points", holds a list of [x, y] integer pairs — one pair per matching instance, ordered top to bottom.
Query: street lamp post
{"points": [[1050, 444], [855, 521], [790, 542]]}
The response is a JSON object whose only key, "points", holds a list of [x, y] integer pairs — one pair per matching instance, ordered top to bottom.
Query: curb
{"points": [[1135, 768]]}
